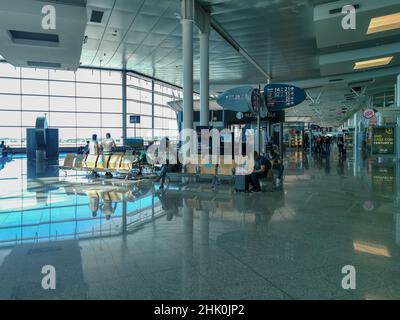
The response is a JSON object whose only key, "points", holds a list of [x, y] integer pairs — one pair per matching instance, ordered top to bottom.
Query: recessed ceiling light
{"points": [[384, 23], [373, 63]]}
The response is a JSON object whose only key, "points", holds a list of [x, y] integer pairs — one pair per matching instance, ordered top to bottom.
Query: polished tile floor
{"points": [[110, 239]]}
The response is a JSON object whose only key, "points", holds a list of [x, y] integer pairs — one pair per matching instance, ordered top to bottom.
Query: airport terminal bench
{"points": [[123, 164], [194, 175]]}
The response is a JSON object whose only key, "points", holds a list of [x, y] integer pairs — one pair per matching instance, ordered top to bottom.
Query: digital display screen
{"points": [[383, 141]]}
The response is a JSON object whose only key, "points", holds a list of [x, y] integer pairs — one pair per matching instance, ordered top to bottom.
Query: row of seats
{"points": [[113, 163], [221, 171]]}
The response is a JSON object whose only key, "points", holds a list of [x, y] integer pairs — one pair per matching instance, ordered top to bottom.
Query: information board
{"points": [[283, 96], [134, 119], [383, 140]]}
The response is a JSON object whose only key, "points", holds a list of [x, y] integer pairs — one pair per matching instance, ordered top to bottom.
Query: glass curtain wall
{"points": [[82, 103]]}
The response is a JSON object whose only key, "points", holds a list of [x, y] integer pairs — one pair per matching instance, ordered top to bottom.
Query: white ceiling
{"points": [[282, 36]]}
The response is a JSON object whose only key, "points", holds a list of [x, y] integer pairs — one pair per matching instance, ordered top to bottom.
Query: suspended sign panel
{"points": [[283, 96], [242, 99], [134, 119], [383, 141]]}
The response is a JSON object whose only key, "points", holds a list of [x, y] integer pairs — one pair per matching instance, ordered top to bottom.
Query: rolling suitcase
{"points": [[240, 183]]}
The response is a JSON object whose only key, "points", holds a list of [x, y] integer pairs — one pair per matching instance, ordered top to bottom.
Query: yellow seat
{"points": [[79, 160], [68, 162], [90, 162], [102, 162], [114, 162], [127, 163], [191, 168], [207, 169], [226, 169], [111, 196]]}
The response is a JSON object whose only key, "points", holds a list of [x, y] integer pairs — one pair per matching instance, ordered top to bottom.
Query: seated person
{"points": [[4, 149], [276, 160], [137, 162], [168, 165], [261, 168]]}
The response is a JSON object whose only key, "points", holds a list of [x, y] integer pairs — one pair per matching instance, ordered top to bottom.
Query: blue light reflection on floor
{"points": [[41, 209]]}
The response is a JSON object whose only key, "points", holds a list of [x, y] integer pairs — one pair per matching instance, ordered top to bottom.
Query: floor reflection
{"points": [[115, 239]]}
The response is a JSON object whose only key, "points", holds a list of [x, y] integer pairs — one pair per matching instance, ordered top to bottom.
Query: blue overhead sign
{"points": [[283, 96], [242, 99], [134, 119]]}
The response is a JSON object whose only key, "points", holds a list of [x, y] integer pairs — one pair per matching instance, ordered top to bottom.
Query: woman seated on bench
{"points": [[261, 168]]}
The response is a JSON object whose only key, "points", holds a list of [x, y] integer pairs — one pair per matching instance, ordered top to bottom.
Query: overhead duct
{"points": [[24, 43]]}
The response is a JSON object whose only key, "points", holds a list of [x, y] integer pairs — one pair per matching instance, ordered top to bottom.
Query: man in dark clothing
{"points": [[274, 157], [261, 168]]}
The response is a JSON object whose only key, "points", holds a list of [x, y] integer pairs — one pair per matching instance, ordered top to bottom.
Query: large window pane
{"points": [[10, 85], [35, 87], [58, 88], [91, 90], [110, 91], [133, 94], [145, 96], [12, 102], [37, 103], [62, 104], [88, 105], [113, 106], [133, 107], [146, 109], [9, 118], [62, 119], [88, 120], [111, 120], [145, 122], [158, 123]]}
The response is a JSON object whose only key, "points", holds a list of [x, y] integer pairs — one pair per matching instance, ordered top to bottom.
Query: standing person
{"points": [[306, 141], [319, 144], [328, 144], [107, 145], [340, 145], [94, 147], [94, 150]]}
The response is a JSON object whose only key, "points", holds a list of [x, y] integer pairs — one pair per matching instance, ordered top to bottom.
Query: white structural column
{"points": [[187, 39], [205, 73]]}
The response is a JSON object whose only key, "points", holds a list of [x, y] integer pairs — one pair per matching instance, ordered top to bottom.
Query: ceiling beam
{"points": [[200, 18]]}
